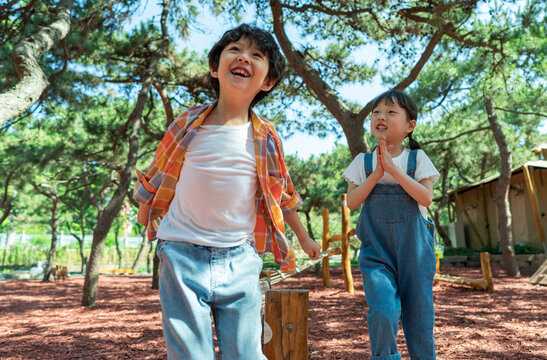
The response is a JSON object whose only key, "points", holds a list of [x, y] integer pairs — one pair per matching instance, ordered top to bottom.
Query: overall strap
{"points": [[368, 164], [411, 165]]}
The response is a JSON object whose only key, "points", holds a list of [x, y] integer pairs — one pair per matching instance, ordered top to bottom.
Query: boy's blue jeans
{"points": [[196, 281]]}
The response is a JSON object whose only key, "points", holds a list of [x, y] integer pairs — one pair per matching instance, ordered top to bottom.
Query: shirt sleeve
{"points": [[425, 168], [355, 172]]}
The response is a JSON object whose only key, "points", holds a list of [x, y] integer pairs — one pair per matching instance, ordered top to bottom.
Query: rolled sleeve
{"points": [[144, 191], [290, 200]]}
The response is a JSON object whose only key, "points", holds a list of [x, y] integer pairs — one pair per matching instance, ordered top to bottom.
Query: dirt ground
{"points": [[45, 320]]}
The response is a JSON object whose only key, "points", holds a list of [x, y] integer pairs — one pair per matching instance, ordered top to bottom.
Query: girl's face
{"points": [[390, 120]]}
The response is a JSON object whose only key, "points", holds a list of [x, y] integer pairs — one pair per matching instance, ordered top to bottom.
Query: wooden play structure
{"points": [[472, 210], [344, 248], [540, 276], [485, 283], [286, 324], [285, 333]]}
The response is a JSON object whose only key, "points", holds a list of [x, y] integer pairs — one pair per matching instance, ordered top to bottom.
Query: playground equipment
{"points": [[343, 249], [540, 276], [485, 283], [286, 324], [285, 334]]}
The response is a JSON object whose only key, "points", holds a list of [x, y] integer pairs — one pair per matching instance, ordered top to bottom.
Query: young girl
{"points": [[395, 185]]}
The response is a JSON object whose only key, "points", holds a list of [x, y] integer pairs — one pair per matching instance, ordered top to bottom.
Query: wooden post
{"points": [[532, 194], [325, 246], [346, 260], [437, 268], [486, 271], [286, 313]]}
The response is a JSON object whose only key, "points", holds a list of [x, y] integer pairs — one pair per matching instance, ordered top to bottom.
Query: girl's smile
{"points": [[389, 120]]}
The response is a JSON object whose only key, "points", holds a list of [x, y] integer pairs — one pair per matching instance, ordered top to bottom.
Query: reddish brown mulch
{"points": [[45, 320]]}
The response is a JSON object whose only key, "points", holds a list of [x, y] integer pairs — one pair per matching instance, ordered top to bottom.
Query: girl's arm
{"points": [[421, 191], [357, 194], [309, 246]]}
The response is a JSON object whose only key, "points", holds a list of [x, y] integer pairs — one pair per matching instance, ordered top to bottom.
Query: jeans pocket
{"points": [[160, 246], [254, 252]]}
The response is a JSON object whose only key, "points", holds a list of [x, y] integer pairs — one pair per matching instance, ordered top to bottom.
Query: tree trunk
{"points": [[26, 53], [351, 122], [502, 195], [444, 201], [5, 214], [105, 221], [308, 223], [54, 231], [82, 240], [117, 242], [150, 250], [140, 254], [155, 272]]}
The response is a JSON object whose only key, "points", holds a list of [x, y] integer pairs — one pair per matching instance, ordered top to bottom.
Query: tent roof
{"points": [[536, 164]]}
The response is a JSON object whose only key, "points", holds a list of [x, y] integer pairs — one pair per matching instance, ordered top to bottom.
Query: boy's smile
{"points": [[242, 69]]}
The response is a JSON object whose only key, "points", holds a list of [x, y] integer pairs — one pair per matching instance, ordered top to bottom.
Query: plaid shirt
{"points": [[275, 195]]}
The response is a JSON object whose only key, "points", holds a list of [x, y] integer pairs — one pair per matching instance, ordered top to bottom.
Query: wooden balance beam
{"points": [[116, 271], [485, 283]]}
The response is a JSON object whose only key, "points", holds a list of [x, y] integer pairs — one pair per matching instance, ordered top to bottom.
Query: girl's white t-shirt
{"points": [[424, 169], [215, 197]]}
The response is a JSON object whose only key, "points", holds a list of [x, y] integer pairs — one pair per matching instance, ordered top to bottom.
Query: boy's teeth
{"points": [[239, 72]]}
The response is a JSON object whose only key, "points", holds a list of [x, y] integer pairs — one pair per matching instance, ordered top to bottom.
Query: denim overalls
{"points": [[397, 261]]}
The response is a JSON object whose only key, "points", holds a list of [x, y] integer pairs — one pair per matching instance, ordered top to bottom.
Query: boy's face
{"points": [[242, 69], [390, 120]]}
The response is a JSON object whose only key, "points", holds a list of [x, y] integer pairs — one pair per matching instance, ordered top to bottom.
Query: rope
{"points": [[277, 276]]}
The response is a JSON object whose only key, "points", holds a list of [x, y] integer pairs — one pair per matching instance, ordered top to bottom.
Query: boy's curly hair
{"points": [[265, 43]]}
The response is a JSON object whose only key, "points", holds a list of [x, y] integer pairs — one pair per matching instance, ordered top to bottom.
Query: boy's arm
{"points": [[309, 246]]}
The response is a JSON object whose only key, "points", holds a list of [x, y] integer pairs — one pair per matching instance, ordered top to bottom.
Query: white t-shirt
{"points": [[424, 169], [215, 197]]}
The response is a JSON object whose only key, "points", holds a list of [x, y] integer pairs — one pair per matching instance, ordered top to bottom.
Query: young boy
{"points": [[229, 206]]}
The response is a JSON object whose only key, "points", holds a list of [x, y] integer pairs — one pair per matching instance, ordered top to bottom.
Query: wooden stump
{"points": [[286, 314]]}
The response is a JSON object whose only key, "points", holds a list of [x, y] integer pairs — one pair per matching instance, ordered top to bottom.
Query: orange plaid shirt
{"points": [[275, 195]]}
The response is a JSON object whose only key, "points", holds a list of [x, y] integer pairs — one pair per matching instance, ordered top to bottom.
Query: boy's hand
{"points": [[310, 247]]}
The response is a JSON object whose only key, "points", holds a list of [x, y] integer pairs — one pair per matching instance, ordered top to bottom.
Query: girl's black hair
{"points": [[265, 43], [406, 103]]}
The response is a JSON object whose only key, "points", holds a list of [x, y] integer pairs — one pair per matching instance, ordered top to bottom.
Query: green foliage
{"points": [[77, 132], [526, 249], [458, 251]]}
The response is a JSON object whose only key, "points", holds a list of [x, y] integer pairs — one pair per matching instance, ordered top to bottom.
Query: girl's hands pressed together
{"points": [[384, 156], [379, 171]]}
